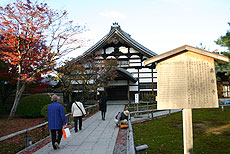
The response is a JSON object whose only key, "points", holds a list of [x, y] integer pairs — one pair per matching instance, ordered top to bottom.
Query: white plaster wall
{"points": [[123, 49], [109, 50], [133, 50], [123, 56], [134, 56], [99, 57], [110, 57], [134, 60], [135, 64], [145, 70], [135, 75], [145, 75], [145, 80], [148, 80], [91, 81], [73, 82], [78, 82], [118, 83], [133, 88], [100, 89]]}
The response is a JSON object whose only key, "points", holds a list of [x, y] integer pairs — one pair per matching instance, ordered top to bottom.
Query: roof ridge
{"points": [[116, 27]]}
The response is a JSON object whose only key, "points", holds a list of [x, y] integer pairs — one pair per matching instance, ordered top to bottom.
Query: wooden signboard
{"points": [[186, 79]]}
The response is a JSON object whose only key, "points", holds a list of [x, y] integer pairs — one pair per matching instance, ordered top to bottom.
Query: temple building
{"points": [[133, 76]]}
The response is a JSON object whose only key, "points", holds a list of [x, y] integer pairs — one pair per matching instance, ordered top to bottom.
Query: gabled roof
{"points": [[116, 30], [184, 49]]}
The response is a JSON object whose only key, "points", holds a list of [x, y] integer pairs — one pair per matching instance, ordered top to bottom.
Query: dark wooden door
{"points": [[117, 92]]}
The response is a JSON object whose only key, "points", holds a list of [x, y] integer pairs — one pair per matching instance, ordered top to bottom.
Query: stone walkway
{"points": [[96, 137]]}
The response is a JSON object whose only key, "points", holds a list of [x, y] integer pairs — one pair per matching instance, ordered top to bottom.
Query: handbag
{"points": [[81, 110], [66, 132]]}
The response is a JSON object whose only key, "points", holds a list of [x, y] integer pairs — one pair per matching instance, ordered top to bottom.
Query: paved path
{"points": [[96, 137]]}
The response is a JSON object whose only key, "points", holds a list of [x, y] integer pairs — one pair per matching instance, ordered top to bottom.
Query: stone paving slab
{"points": [[96, 137]]}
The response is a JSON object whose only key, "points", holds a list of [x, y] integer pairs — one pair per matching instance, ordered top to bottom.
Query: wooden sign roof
{"points": [[185, 48]]}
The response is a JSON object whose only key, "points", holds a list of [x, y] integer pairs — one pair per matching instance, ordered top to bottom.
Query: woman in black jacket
{"points": [[103, 104]]}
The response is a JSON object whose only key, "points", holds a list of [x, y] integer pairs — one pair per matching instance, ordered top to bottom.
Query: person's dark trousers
{"points": [[103, 115], [76, 123], [56, 135]]}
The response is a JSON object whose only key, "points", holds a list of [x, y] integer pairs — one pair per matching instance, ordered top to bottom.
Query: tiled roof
{"points": [[115, 29]]}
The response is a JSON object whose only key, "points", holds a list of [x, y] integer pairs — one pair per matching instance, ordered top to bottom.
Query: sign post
{"points": [[186, 79], [137, 100], [187, 131]]}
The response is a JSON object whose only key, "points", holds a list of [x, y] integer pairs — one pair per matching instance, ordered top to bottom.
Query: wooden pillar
{"points": [[104, 53], [129, 56], [141, 57], [152, 80], [138, 81], [128, 91], [187, 131]]}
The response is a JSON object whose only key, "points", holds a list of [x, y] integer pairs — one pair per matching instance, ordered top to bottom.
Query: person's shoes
{"points": [[79, 128], [76, 131], [57, 145]]}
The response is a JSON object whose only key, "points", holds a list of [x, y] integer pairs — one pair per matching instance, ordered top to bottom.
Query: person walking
{"points": [[103, 104], [77, 111], [56, 120]]}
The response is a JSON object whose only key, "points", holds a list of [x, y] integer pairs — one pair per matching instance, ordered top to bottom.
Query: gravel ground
{"points": [[121, 142]]}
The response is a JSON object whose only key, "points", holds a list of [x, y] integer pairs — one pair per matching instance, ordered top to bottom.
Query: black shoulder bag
{"points": [[81, 110]]}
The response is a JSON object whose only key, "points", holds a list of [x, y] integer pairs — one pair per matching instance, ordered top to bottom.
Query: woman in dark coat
{"points": [[103, 104]]}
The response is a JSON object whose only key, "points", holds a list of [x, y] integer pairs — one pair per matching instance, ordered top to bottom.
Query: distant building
{"points": [[133, 76], [223, 84]]}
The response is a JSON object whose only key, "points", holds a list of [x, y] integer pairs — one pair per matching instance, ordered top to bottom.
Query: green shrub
{"points": [[149, 98], [30, 106], [2, 109], [44, 111]]}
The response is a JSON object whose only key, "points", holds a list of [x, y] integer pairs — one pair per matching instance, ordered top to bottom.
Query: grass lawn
{"points": [[211, 133]]}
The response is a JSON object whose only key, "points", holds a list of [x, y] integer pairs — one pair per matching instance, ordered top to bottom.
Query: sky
{"points": [[159, 25]]}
